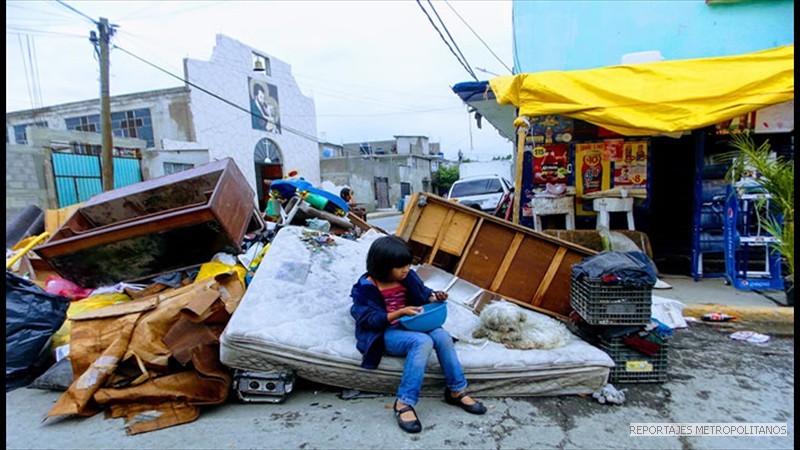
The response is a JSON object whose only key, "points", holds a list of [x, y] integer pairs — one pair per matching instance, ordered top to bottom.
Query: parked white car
{"points": [[482, 192]]}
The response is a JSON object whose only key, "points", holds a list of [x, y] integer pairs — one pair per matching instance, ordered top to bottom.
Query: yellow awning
{"points": [[658, 97]]}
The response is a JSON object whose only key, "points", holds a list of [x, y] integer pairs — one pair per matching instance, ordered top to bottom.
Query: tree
{"points": [[446, 176], [776, 176]]}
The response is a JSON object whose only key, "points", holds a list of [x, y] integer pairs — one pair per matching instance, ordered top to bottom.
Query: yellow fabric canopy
{"points": [[658, 97]]}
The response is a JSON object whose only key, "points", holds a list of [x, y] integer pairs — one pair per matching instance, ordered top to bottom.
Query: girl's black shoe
{"points": [[477, 408], [409, 426]]}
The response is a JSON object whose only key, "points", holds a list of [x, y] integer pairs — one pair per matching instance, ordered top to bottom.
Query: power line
{"points": [[77, 12], [21, 31], [479, 38], [463, 58], [469, 71], [218, 97]]}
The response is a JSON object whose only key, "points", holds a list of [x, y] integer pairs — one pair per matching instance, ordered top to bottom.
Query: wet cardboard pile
{"points": [[153, 359]]}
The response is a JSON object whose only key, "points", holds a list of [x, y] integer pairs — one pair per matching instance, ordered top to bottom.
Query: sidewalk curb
{"points": [[379, 214], [775, 314]]}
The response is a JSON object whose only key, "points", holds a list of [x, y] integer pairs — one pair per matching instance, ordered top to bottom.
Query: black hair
{"points": [[256, 88], [345, 193], [387, 253]]}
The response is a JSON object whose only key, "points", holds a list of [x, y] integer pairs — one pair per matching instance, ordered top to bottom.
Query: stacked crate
{"points": [[606, 314]]}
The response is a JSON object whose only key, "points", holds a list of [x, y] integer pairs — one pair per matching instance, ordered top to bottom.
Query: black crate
{"points": [[601, 303], [633, 366]]}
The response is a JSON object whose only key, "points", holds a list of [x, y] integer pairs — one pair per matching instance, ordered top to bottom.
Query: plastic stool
{"points": [[607, 205], [545, 206]]}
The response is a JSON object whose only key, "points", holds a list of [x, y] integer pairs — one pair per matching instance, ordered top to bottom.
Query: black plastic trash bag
{"points": [[625, 268], [32, 317]]}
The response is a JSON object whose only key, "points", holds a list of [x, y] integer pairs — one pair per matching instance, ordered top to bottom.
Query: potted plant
{"points": [[776, 176]]}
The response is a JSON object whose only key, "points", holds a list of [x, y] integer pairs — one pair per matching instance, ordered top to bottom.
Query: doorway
{"points": [[268, 167], [381, 192]]}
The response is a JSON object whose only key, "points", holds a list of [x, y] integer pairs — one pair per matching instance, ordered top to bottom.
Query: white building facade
{"points": [[215, 115]]}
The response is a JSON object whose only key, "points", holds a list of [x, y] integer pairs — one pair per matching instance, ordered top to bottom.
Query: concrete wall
{"points": [[571, 34], [169, 111], [227, 131], [412, 145], [378, 147], [29, 169], [359, 173], [25, 180]]}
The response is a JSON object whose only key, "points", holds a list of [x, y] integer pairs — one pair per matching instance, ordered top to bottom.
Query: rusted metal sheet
{"points": [[157, 226], [527, 267]]}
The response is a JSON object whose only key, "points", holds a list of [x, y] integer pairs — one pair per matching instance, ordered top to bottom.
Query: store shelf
{"points": [[751, 260]]}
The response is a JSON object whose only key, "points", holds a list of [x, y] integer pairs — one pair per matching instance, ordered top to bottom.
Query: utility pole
{"points": [[105, 106]]}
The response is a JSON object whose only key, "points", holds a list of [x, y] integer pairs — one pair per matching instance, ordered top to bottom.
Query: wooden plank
{"points": [[54, 218], [409, 219], [51, 221], [357, 221], [428, 224], [443, 229], [475, 230], [460, 231], [487, 253], [536, 267], [527, 269], [503, 270], [548, 277], [557, 296]]}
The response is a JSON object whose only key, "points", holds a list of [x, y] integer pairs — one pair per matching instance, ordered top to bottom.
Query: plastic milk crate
{"points": [[600, 303], [633, 366]]}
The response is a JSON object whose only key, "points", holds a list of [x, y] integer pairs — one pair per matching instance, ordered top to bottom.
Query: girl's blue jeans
{"points": [[417, 347]]}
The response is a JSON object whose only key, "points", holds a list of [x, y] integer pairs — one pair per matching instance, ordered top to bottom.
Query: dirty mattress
{"points": [[295, 316]]}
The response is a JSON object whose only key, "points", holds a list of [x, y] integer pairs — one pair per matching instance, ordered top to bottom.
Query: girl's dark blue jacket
{"points": [[369, 311]]}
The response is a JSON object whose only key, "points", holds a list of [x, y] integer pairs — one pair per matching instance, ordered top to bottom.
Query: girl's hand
{"points": [[438, 296], [411, 310]]}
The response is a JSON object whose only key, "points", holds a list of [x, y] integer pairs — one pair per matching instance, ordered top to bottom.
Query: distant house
{"points": [[226, 109], [382, 172]]}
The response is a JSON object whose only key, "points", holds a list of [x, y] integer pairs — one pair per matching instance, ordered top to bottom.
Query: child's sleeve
{"points": [[424, 291]]}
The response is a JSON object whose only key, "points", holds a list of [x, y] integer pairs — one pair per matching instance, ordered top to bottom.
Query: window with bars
{"points": [[89, 123], [135, 123], [19, 132]]}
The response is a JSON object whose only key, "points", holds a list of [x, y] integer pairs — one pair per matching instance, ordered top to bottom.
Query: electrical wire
{"points": [[76, 11], [32, 32], [477, 36], [463, 58], [25, 69], [469, 71], [35, 72], [218, 97]]}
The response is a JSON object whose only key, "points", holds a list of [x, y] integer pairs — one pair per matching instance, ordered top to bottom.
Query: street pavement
{"points": [[711, 378]]}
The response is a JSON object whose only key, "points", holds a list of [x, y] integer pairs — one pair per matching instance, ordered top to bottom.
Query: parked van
{"points": [[482, 192]]}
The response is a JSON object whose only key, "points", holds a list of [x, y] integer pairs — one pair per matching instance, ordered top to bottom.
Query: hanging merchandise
{"points": [[551, 164], [631, 168], [592, 172]]}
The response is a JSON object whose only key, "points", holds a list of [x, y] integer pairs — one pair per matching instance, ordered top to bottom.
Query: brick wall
{"points": [[25, 182]]}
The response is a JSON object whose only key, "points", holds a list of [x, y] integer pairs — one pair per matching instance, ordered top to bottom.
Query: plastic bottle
{"points": [[717, 317]]}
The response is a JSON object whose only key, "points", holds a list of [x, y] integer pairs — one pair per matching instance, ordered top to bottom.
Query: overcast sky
{"points": [[375, 69]]}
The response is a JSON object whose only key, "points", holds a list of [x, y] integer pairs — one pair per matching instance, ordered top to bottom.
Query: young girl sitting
{"points": [[391, 290]]}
